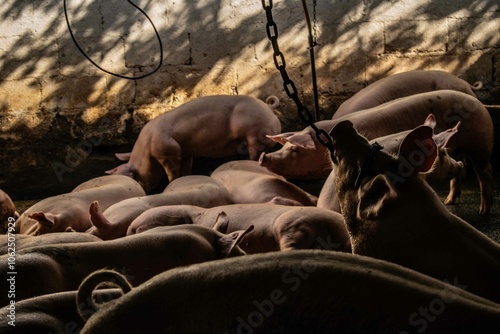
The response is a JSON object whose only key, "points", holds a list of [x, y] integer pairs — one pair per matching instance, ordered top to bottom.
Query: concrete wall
{"points": [[61, 118]]}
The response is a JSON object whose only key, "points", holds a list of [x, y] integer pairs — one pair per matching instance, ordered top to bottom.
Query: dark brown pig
{"points": [[401, 85], [211, 126], [302, 156], [248, 182], [198, 190], [8, 211], [70, 211], [392, 214], [276, 227], [56, 268], [294, 293]]}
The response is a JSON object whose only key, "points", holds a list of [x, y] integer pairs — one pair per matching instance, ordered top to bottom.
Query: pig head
{"points": [[392, 214]]}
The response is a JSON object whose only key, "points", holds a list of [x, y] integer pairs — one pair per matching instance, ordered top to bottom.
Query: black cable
{"points": [[109, 72]]}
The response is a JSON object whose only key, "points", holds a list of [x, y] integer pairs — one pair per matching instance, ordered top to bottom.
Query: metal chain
{"points": [[315, 26], [289, 86]]}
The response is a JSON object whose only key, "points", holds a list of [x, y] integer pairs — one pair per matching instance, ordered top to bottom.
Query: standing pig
{"points": [[401, 85], [211, 126], [302, 156], [445, 167], [248, 182], [196, 190], [7, 211], [70, 211], [392, 214], [276, 227], [56, 268], [290, 293]]}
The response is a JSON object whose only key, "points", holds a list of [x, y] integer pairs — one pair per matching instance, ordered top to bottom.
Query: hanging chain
{"points": [[315, 26], [289, 86]]}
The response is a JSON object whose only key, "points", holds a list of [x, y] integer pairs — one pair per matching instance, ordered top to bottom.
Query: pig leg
{"points": [[168, 154], [484, 174], [455, 186]]}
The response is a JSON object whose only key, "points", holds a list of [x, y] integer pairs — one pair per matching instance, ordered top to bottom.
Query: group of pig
{"points": [[244, 250]]}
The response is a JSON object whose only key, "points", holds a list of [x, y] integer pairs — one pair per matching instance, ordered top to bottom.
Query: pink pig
{"points": [[401, 85], [211, 126], [302, 156], [248, 182]]}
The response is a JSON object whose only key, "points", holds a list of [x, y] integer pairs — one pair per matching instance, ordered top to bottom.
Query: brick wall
{"points": [[61, 118]]}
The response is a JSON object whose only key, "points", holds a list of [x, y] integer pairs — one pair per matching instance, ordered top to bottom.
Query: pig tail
{"points": [[85, 300]]}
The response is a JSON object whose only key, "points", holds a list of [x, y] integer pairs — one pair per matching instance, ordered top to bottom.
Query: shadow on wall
{"points": [[76, 116]]}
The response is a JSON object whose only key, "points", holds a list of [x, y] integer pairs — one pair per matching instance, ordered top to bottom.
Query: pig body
{"points": [[401, 85], [212, 126], [302, 156], [248, 182], [198, 190], [8, 211], [70, 211], [392, 214], [276, 227], [23, 241], [57, 268], [291, 292], [54, 313]]}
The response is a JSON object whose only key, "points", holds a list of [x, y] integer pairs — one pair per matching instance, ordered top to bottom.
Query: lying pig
{"points": [[401, 85], [211, 126], [302, 156], [445, 168], [248, 182], [197, 190], [8, 211], [70, 211], [392, 214], [276, 227], [23, 241], [56, 268], [291, 292], [54, 313]]}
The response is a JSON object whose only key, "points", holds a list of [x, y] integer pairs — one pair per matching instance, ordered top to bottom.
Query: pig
{"points": [[401, 85], [210, 126], [302, 156], [445, 167], [248, 182], [199, 190], [69, 211], [8, 212], [394, 215], [276, 227], [23, 241], [57, 268], [304, 291], [53, 313]]}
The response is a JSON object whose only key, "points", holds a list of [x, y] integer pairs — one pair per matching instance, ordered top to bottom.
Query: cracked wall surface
{"points": [[62, 118]]}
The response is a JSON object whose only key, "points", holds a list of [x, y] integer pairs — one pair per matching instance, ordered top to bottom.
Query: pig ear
{"points": [[430, 121], [281, 138], [442, 138], [304, 140], [418, 149], [123, 156], [374, 196], [96, 217], [45, 219], [222, 222], [228, 242]]}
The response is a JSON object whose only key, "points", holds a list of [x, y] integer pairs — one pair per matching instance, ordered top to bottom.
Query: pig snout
{"points": [[263, 159]]}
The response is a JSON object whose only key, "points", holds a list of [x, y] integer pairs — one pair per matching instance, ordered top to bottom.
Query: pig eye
{"points": [[294, 149]]}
